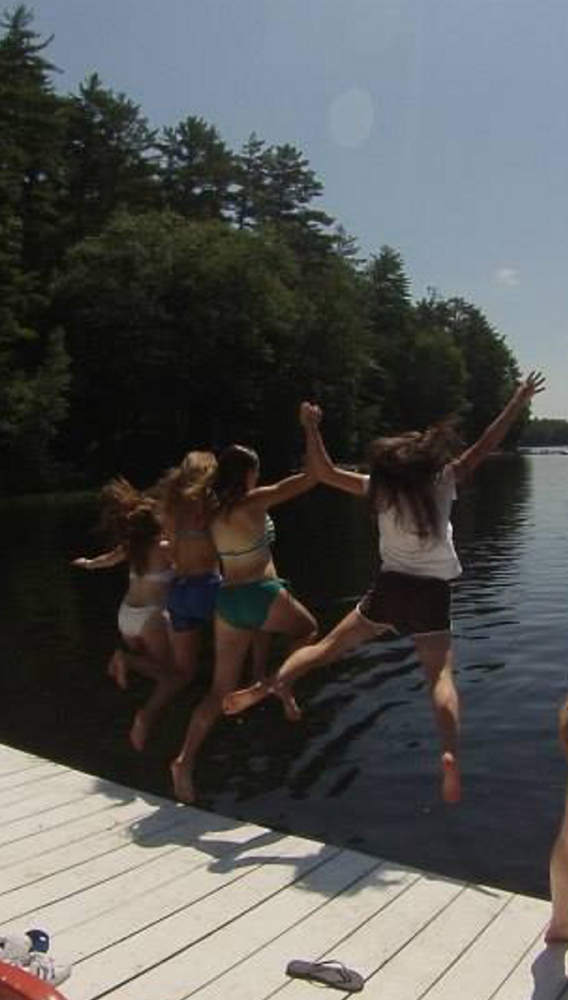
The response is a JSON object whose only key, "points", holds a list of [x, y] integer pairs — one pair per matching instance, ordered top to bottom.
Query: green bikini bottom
{"points": [[246, 605]]}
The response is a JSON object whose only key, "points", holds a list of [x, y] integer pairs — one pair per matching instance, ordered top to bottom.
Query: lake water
{"points": [[361, 768]]}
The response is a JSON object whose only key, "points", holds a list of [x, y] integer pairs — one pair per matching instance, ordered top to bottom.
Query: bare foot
{"points": [[118, 669], [238, 701], [292, 710], [138, 731], [451, 781], [184, 788], [556, 932]]}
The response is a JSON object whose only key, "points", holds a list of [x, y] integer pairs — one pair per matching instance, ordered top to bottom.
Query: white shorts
{"points": [[132, 621]]}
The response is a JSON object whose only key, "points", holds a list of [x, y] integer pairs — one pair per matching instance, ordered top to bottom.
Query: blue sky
{"points": [[437, 126]]}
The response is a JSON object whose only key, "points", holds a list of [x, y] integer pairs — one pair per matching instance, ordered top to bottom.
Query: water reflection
{"points": [[360, 768]]}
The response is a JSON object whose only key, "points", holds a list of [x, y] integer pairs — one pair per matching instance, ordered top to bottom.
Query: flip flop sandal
{"points": [[329, 973]]}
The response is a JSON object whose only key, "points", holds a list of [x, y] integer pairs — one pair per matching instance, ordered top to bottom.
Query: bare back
{"points": [[189, 536], [243, 537], [150, 586]]}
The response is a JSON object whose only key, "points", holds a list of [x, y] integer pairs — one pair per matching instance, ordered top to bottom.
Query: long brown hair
{"points": [[404, 469], [190, 483], [230, 483], [131, 519]]}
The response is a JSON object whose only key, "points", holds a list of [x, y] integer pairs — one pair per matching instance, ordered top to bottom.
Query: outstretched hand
{"points": [[534, 383], [310, 414], [81, 562]]}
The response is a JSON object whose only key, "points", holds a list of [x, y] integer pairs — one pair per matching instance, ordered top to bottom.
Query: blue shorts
{"points": [[192, 600]]}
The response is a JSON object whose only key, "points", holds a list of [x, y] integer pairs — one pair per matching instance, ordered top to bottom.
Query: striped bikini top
{"points": [[265, 541]]}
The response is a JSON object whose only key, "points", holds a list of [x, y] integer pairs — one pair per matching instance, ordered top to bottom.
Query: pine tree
{"points": [[31, 131], [110, 159], [197, 170], [33, 372]]}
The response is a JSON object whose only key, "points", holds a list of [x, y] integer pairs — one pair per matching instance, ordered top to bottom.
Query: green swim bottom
{"points": [[246, 605]]}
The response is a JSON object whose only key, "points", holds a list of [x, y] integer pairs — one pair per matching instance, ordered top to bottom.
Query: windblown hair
{"points": [[404, 469], [189, 483], [230, 483], [131, 519]]}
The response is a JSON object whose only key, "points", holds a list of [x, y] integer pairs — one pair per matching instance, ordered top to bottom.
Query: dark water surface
{"points": [[361, 768]]}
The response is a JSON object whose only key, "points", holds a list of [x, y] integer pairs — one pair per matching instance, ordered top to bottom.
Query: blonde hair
{"points": [[189, 483]]}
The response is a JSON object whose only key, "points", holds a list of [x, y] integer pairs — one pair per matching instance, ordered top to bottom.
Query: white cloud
{"points": [[506, 277]]}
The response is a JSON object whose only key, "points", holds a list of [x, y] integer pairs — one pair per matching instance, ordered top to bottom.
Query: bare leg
{"points": [[287, 617], [351, 632], [186, 645], [260, 646], [231, 647], [435, 652], [172, 662], [141, 663], [119, 664], [159, 665], [117, 669], [165, 689], [558, 927]]}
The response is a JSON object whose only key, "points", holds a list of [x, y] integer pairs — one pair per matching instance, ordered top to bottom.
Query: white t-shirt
{"points": [[403, 551]]}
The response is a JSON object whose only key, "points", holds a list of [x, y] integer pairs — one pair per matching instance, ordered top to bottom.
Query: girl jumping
{"points": [[410, 489]]}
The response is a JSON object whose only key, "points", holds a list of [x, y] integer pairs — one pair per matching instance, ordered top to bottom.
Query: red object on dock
{"points": [[17, 984]]}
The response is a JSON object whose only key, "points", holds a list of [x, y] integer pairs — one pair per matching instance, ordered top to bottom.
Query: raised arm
{"points": [[493, 435], [319, 460], [286, 489], [103, 561]]}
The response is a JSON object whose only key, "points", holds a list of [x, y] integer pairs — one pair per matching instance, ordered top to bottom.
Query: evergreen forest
{"points": [[160, 291]]}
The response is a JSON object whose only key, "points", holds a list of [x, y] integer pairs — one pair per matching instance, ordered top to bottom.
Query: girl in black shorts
{"points": [[411, 489]]}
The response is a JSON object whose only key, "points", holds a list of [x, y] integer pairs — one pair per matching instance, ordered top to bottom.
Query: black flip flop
{"points": [[329, 973]]}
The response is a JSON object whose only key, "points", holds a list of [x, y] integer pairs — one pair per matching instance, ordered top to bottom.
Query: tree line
{"points": [[160, 291], [545, 432]]}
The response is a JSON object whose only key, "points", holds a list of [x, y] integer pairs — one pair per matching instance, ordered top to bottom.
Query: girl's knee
{"points": [[324, 651]]}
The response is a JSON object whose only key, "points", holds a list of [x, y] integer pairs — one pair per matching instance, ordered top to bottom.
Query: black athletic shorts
{"points": [[410, 605]]}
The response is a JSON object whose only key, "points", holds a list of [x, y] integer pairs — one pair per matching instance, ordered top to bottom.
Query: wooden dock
{"points": [[151, 900]]}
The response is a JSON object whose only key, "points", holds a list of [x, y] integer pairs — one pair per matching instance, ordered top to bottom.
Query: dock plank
{"points": [[16, 761], [29, 776], [19, 802], [42, 842], [23, 872], [96, 889], [243, 890], [150, 899], [297, 909], [375, 943], [498, 949], [260, 970], [411, 972], [541, 972]]}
